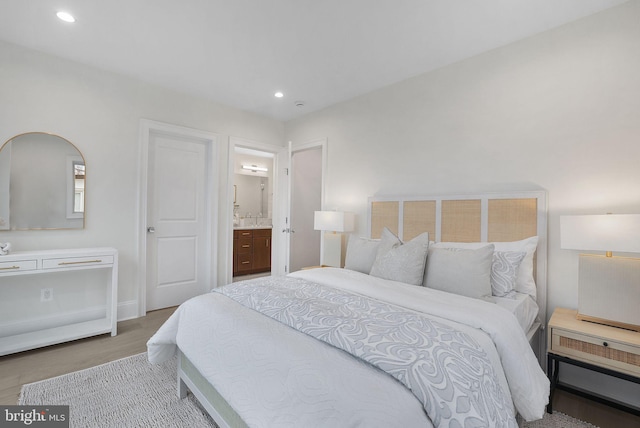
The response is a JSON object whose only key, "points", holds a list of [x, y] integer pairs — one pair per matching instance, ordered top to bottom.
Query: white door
{"points": [[306, 198], [177, 227], [296, 245]]}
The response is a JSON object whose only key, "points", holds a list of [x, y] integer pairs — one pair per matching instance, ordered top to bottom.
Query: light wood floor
{"points": [[43, 363], [39, 364]]}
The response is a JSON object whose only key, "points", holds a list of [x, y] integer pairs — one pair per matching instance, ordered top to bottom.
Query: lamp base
{"points": [[332, 255], [609, 291], [610, 323]]}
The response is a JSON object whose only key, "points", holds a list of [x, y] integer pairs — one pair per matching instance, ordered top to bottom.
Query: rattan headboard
{"points": [[487, 217]]}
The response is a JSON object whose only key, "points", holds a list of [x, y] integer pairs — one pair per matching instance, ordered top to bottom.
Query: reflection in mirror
{"points": [[42, 183], [78, 189], [251, 195]]}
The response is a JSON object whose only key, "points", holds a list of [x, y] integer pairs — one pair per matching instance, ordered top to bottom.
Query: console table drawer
{"points": [[71, 262], [16, 266]]}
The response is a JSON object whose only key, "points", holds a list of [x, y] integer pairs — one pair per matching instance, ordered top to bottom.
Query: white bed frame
{"points": [[190, 379]]}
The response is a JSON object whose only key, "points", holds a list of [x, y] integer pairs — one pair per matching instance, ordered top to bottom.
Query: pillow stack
{"points": [[512, 264], [475, 269]]}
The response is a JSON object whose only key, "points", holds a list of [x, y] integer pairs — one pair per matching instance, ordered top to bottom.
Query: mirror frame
{"points": [[80, 155]]}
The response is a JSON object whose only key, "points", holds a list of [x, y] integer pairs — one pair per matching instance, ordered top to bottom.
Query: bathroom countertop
{"points": [[251, 227]]}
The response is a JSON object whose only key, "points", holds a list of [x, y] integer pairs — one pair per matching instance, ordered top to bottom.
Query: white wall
{"points": [[559, 111], [99, 112]]}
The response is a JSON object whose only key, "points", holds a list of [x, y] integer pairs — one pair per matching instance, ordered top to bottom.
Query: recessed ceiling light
{"points": [[65, 16], [278, 94]]}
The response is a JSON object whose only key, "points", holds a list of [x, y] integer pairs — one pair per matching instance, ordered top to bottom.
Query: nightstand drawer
{"points": [[599, 351]]}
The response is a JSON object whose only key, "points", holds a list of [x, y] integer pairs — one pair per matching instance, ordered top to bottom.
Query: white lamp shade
{"points": [[333, 221], [610, 232]]}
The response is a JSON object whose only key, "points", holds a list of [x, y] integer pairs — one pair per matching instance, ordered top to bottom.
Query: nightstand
{"points": [[604, 349]]}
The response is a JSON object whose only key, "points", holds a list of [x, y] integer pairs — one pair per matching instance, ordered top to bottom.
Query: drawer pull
{"points": [[246, 233], [246, 246], [79, 263], [245, 263], [10, 268]]}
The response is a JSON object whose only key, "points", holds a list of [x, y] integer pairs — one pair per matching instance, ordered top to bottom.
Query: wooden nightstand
{"points": [[604, 349]]}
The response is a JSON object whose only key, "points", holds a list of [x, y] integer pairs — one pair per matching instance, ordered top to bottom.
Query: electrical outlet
{"points": [[46, 294]]}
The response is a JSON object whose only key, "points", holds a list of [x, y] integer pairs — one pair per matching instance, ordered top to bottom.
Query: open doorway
{"points": [[253, 183], [281, 200]]}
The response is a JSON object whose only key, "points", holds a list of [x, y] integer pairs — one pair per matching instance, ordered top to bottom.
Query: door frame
{"points": [[147, 127]]}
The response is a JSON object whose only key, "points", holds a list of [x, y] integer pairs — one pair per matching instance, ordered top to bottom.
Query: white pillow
{"points": [[361, 253], [398, 261], [504, 270], [460, 271], [524, 279]]}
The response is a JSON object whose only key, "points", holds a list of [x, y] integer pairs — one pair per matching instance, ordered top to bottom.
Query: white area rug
{"points": [[131, 392]]}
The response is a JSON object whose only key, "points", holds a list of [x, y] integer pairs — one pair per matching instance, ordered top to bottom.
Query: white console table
{"points": [[35, 283]]}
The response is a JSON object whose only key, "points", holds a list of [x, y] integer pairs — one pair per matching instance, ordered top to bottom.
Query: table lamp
{"points": [[333, 224], [608, 286]]}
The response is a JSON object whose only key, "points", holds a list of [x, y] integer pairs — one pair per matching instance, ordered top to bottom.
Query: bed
{"points": [[400, 337]]}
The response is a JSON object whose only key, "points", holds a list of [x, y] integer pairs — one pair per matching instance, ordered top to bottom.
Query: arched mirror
{"points": [[42, 183]]}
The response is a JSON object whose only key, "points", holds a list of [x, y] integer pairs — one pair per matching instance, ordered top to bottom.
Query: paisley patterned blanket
{"points": [[446, 369]]}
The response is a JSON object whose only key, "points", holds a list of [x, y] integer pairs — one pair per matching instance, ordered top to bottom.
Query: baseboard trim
{"points": [[127, 310]]}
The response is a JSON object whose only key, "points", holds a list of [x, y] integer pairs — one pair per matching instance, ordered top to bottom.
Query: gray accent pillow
{"points": [[361, 253], [402, 262], [504, 270], [460, 271]]}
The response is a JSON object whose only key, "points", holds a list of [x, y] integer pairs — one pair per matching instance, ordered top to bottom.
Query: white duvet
{"points": [[273, 375]]}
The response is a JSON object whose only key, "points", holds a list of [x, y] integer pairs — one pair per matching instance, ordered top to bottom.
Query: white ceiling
{"points": [[240, 52]]}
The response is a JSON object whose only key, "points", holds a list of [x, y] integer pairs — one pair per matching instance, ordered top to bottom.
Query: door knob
{"points": [[151, 229]]}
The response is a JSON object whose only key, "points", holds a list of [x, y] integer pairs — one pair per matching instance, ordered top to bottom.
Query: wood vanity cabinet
{"points": [[261, 250], [251, 251]]}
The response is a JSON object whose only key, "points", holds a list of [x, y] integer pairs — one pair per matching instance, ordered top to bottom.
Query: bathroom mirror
{"points": [[42, 183], [251, 195]]}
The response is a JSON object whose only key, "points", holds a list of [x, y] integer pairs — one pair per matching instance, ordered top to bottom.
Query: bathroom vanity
{"points": [[251, 250]]}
